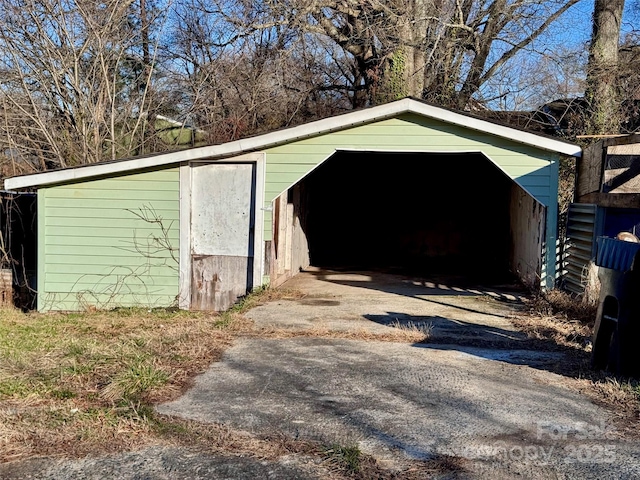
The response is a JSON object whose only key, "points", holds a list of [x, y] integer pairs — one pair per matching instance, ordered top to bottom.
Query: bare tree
{"points": [[441, 50], [602, 73], [75, 80], [248, 84], [629, 84]]}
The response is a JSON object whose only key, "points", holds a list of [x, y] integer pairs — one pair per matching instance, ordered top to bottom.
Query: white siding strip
{"points": [[258, 253], [184, 293]]}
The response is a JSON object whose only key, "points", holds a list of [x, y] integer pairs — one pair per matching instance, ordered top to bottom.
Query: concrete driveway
{"points": [[476, 391]]}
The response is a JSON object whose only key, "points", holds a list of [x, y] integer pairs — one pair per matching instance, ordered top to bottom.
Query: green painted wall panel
{"points": [[287, 163], [275, 168], [538, 180], [116, 184], [538, 190], [98, 194], [112, 203], [67, 212], [66, 221], [110, 232], [124, 249], [95, 250], [89, 268], [88, 279], [157, 287]]}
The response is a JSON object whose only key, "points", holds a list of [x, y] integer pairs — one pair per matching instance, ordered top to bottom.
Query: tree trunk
{"points": [[403, 73], [602, 73]]}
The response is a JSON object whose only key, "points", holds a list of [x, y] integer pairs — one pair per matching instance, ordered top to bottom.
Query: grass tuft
{"points": [[563, 304], [413, 329], [134, 382], [347, 456]]}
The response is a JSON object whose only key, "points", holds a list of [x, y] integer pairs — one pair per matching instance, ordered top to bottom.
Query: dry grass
{"points": [[559, 304], [559, 321], [400, 333], [555, 333], [81, 380], [80, 383], [73, 384], [621, 393], [621, 396]]}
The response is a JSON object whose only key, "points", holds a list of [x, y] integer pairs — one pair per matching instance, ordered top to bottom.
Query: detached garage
{"points": [[405, 186]]}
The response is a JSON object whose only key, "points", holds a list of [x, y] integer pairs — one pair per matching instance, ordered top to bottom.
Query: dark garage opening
{"points": [[419, 213]]}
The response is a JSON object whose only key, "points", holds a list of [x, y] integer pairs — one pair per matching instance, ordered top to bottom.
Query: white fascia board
{"points": [[319, 127], [519, 136], [210, 152]]}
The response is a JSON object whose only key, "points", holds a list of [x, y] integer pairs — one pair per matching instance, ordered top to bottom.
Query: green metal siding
{"points": [[536, 170], [95, 250]]}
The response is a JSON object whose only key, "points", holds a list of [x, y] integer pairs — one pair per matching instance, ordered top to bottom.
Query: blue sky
{"points": [[574, 30], [556, 59]]}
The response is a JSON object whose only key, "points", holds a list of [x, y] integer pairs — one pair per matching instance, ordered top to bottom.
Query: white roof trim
{"points": [[318, 127]]}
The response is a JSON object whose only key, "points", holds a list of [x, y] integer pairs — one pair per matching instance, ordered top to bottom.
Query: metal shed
{"points": [[405, 185], [606, 202]]}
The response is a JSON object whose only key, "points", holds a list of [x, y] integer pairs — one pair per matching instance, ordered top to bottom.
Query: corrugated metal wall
{"points": [[579, 244], [96, 249]]}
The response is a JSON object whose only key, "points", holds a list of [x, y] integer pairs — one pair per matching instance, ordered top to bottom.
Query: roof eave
{"points": [[269, 140]]}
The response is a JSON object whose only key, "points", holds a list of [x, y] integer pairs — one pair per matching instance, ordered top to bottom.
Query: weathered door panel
{"points": [[222, 229], [528, 233]]}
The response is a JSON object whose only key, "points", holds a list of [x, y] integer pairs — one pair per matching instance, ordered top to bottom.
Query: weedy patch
{"points": [[556, 303], [557, 320], [555, 333], [405, 334], [79, 383], [75, 384], [131, 384], [622, 394], [347, 456]]}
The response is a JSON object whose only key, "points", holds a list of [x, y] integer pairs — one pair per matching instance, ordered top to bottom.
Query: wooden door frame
{"points": [[259, 159]]}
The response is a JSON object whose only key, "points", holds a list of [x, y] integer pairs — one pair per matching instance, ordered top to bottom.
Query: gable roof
{"points": [[312, 129]]}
